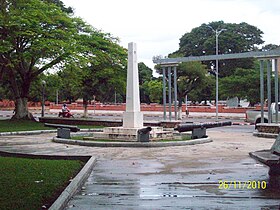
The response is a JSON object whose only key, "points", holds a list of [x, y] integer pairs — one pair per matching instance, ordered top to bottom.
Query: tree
{"points": [[60, 4], [37, 35], [34, 37], [237, 38], [270, 47], [106, 73], [145, 73], [98, 76], [145, 76], [191, 76], [245, 83], [53, 84], [70, 86], [153, 88], [204, 92]]}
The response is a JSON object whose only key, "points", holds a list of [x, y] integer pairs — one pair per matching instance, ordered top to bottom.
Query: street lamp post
{"points": [[217, 33], [56, 97], [43, 98]]}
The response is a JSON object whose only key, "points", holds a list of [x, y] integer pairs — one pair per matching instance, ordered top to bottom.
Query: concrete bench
{"points": [[63, 131], [270, 157]]}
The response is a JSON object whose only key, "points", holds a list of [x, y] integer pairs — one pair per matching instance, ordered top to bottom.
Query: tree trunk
{"points": [[85, 105], [180, 109], [21, 110]]}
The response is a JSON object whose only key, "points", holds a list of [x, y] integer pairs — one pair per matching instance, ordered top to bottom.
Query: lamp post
{"points": [[217, 33], [115, 96], [56, 97], [43, 98], [94, 103]]}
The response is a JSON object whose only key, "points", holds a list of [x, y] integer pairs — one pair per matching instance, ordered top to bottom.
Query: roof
{"points": [[272, 54]]}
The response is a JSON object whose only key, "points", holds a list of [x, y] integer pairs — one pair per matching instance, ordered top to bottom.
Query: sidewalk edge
{"points": [[74, 186]]}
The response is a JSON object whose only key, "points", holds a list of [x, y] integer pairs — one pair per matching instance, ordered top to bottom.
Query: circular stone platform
{"points": [[132, 144]]}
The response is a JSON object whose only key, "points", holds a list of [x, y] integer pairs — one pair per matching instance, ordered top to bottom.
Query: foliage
{"points": [[61, 5], [37, 35], [34, 36], [236, 38], [270, 47], [145, 73], [100, 75], [145, 76], [191, 76], [244, 83], [53, 84], [70, 86], [153, 88], [204, 92], [32, 183]]}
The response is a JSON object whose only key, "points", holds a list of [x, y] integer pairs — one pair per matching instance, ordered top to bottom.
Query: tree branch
{"points": [[32, 64], [49, 65], [13, 83]]}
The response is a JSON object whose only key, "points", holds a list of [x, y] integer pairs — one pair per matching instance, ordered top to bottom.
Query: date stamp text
{"points": [[242, 185]]}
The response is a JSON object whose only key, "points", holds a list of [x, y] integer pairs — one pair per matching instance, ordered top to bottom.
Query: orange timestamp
{"points": [[242, 185]]}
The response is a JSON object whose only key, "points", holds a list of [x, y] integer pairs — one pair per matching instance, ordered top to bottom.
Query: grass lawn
{"points": [[21, 125], [27, 125], [185, 138], [32, 183]]}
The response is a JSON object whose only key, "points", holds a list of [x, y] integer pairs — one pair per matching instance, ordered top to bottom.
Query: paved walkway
{"points": [[185, 177]]}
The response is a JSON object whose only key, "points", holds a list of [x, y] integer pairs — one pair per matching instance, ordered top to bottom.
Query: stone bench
{"points": [[63, 131], [270, 157]]}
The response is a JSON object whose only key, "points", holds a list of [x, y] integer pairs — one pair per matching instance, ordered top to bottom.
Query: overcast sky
{"points": [[157, 25]]}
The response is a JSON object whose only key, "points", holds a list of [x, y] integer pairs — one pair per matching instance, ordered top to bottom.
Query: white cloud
{"points": [[157, 25]]}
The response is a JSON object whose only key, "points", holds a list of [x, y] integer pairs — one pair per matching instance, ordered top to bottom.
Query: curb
{"points": [[241, 123], [27, 132], [36, 132], [265, 135], [131, 144], [74, 186]]}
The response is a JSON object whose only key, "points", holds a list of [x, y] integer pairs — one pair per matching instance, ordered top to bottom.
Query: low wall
{"points": [[9, 105], [156, 107], [268, 128]]}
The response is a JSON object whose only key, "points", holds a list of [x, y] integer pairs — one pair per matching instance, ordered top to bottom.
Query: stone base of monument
{"points": [[130, 134]]}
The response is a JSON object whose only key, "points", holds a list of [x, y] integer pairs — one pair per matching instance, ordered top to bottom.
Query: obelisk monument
{"points": [[132, 117]]}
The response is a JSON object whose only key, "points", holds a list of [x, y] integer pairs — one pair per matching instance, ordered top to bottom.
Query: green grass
{"points": [[21, 125], [27, 125], [90, 126], [78, 137], [184, 138], [28, 184]]}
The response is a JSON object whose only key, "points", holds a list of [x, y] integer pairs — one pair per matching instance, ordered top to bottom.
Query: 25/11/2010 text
{"points": [[249, 185]]}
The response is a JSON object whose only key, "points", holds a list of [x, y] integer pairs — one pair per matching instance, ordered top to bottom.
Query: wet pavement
{"points": [[184, 177], [165, 183], [148, 184]]}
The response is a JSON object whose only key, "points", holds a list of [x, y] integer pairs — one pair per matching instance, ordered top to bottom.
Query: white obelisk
{"points": [[132, 117]]}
